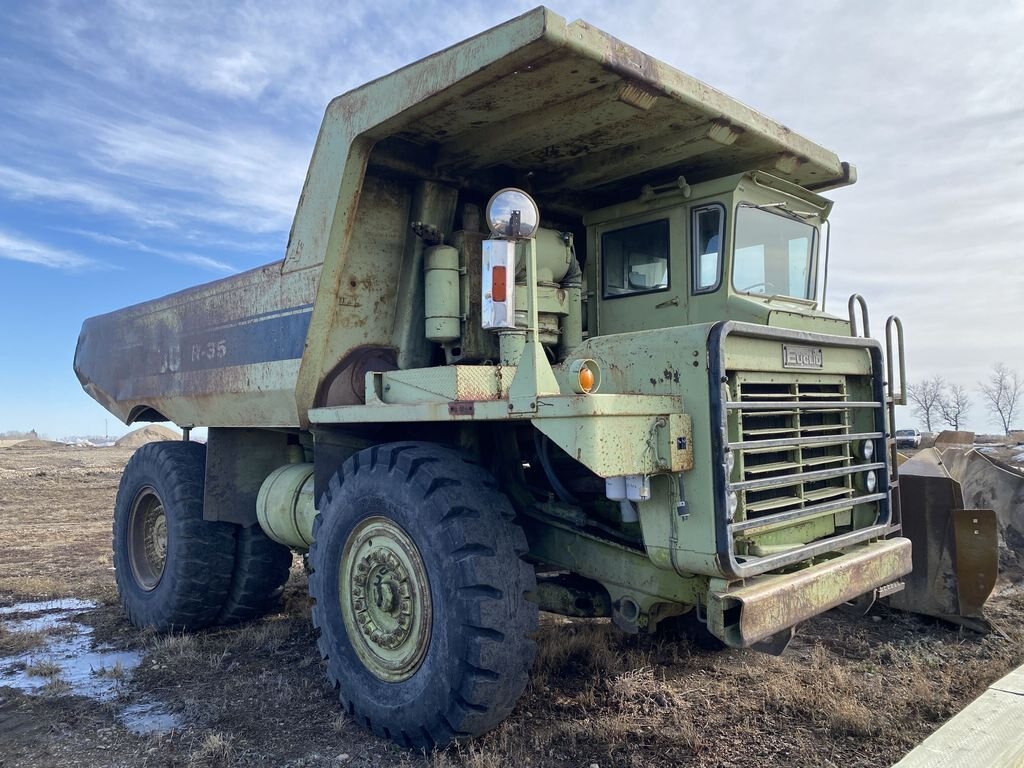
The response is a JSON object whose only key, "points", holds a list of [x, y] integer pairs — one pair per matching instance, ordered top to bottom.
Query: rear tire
{"points": [[173, 569], [261, 571], [419, 591]]}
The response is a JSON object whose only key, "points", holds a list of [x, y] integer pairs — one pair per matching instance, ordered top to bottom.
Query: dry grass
{"points": [[34, 587], [267, 636], [15, 643], [173, 648], [576, 649], [43, 668], [114, 672], [56, 687], [825, 693], [214, 751]]}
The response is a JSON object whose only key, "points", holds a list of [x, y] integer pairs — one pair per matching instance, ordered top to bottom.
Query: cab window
{"points": [[708, 227], [774, 254], [636, 259]]}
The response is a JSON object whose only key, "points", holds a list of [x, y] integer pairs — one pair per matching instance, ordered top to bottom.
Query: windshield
{"points": [[774, 254]]}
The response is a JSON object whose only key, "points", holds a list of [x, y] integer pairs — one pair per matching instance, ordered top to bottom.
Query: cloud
{"points": [[271, 56], [252, 179], [20, 185], [16, 248], [182, 257]]}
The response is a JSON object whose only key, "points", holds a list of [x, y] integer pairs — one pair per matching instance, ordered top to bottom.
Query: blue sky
{"points": [[147, 147]]}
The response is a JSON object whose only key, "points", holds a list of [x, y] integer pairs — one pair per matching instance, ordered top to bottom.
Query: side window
{"points": [[708, 227], [635, 259]]}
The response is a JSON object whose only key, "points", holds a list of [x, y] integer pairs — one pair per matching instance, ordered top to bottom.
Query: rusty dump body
{"points": [[586, 117], [677, 423]]}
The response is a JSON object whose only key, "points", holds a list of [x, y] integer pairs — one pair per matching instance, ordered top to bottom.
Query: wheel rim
{"points": [[147, 539], [385, 599]]}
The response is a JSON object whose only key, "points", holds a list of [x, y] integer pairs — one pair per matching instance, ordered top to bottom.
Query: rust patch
{"points": [[345, 384]]}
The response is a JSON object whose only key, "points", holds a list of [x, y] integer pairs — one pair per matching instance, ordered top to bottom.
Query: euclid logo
{"points": [[801, 357]]}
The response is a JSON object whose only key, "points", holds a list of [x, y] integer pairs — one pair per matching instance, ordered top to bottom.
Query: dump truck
{"points": [[549, 335]]}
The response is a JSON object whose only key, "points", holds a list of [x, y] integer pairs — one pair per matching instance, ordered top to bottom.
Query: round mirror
{"points": [[512, 214]]}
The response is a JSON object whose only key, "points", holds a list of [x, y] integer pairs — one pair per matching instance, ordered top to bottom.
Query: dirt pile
{"points": [[151, 434], [36, 443]]}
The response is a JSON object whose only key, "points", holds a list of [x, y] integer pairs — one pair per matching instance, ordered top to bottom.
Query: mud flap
{"points": [[955, 550]]}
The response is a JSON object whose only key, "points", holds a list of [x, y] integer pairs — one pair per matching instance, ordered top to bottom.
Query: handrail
{"points": [[864, 315], [899, 397], [892, 399]]}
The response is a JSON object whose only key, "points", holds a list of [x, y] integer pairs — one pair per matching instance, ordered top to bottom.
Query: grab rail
{"points": [[863, 313], [899, 397], [893, 398]]}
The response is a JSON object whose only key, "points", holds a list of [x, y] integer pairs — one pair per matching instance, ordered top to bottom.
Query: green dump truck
{"points": [[548, 336]]}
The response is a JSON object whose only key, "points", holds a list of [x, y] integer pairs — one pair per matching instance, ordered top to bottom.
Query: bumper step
{"points": [[764, 606]]}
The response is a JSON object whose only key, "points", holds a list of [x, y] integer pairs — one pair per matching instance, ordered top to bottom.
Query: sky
{"points": [[148, 147]]}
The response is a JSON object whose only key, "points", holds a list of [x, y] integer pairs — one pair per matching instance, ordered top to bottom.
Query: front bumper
{"points": [[766, 605]]}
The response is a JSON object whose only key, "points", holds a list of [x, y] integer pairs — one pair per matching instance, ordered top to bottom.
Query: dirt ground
{"points": [[850, 691]]}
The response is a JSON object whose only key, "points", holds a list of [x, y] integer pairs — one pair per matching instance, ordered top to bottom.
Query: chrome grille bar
{"points": [[785, 406], [796, 442], [803, 477], [796, 514], [835, 543]]}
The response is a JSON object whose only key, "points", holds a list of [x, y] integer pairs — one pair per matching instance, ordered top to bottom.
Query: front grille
{"points": [[794, 448]]}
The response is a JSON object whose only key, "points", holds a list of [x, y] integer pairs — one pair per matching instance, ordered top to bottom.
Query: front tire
{"points": [[173, 569], [419, 591]]}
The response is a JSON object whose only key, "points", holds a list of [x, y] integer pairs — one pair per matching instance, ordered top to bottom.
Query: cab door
{"points": [[641, 280]]}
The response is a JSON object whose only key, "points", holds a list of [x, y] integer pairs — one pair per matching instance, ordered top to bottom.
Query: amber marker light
{"points": [[588, 376], [586, 379]]}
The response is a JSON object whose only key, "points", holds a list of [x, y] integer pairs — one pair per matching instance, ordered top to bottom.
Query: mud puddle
{"points": [[65, 661]]}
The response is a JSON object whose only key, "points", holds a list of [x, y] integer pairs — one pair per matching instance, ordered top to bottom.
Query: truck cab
{"points": [[747, 247]]}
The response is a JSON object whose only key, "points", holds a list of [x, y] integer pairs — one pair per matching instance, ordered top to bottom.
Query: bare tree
{"points": [[1002, 392], [925, 396], [953, 405]]}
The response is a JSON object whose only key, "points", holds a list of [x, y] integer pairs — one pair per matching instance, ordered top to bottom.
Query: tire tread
{"points": [[484, 548]]}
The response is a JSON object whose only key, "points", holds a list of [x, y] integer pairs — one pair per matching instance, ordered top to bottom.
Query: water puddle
{"points": [[51, 614], [65, 661], [148, 719]]}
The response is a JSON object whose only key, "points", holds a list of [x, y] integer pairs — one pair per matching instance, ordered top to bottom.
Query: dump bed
{"points": [[579, 117]]}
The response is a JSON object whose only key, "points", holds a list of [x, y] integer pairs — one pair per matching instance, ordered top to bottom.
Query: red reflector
{"points": [[498, 286]]}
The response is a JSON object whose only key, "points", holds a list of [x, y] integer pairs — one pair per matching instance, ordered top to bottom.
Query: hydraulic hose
{"points": [[540, 443]]}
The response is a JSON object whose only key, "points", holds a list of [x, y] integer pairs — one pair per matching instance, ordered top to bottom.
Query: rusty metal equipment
{"points": [[990, 483], [955, 550]]}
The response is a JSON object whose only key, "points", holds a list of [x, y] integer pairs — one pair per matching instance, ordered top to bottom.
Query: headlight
{"points": [[511, 213], [867, 450], [870, 481]]}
